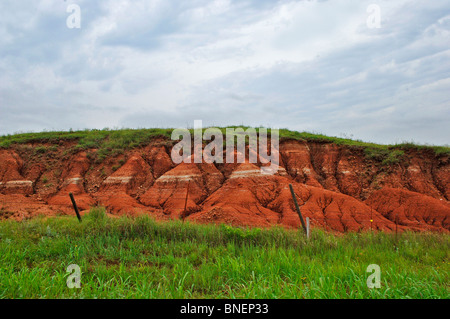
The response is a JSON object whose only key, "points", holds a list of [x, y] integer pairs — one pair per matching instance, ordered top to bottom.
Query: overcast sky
{"points": [[304, 65]]}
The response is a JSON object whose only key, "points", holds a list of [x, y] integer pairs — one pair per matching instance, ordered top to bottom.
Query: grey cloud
{"points": [[387, 88]]}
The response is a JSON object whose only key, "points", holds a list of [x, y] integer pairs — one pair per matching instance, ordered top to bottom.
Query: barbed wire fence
{"points": [[318, 212]]}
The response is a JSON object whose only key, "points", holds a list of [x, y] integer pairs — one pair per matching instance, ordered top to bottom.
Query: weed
{"points": [[40, 150], [384, 156], [97, 214]]}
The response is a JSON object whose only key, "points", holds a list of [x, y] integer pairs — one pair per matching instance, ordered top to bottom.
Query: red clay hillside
{"points": [[339, 187]]}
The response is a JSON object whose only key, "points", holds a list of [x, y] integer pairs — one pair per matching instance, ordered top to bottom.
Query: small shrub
{"points": [[5, 144], [40, 150], [384, 156], [393, 157], [97, 214]]}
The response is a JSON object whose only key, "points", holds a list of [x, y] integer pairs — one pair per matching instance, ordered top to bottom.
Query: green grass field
{"points": [[140, 258]]}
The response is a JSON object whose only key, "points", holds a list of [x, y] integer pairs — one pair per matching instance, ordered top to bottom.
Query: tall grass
{"points": [[142, 258]]}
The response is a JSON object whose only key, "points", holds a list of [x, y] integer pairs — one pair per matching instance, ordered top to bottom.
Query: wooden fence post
{"points": [[75, 207], [297, 208], [308, 228]]}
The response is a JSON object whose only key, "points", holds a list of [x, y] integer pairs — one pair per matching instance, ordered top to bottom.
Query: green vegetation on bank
{"points": [[112, 142], [379, 151], [141, 258]]}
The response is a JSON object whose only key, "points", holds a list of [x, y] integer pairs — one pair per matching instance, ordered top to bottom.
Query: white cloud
{"points": [[306, 65]]}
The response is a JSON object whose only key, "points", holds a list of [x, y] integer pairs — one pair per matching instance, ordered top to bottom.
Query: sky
{"points": [[318, 66]]}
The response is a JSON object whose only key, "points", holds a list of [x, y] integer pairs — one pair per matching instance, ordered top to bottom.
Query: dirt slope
{"points": [[338, 187]]}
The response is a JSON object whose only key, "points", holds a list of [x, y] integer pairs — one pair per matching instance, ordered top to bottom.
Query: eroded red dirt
{"points": [[337, 187]]}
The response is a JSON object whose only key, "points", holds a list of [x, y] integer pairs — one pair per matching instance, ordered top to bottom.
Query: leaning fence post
{"points": [[75, 207], [297, 208], [308, 229]]}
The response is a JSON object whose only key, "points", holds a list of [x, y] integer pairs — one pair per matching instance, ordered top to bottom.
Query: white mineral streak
{"points": [[414, 169], [282, 171], [246, 173], [179, 178], [118, 179], [74, 180], [19, 184]]}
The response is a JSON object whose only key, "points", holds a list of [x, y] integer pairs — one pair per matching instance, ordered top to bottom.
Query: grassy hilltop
{"points": [[113, 142]]}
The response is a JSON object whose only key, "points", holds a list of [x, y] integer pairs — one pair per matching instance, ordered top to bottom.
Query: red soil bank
{"points": [[11, 179], [72, 181], [337, 187], [169, 190], [118, 191], [263, 200], [411, 209]]}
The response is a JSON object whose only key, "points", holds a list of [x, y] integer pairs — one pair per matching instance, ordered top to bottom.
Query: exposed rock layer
{"points": [[337, 187]]}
